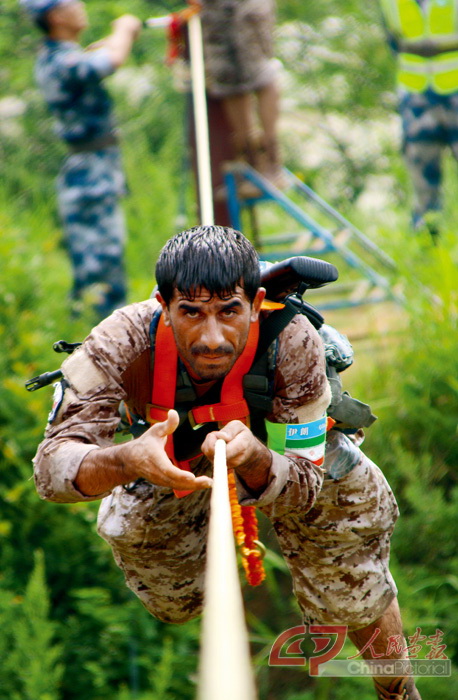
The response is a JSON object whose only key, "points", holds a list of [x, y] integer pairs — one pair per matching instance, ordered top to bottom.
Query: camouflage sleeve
{"points": [[80, 66], [302, 395], [88, 414]]}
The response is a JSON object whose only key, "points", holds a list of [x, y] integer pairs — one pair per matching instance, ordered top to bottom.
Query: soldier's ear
{"points": [[256, 306], [165, 310]]}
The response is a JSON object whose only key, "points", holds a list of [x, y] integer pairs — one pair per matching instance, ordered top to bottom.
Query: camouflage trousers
{"points": [[238, 45], [430, 126], [89, 187], [337, 553]]}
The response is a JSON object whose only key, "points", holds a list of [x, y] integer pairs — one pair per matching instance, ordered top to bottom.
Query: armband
{"points": [[305, 440]]}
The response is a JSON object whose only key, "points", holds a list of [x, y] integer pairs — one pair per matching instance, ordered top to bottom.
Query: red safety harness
{"points": [[232, 405]]}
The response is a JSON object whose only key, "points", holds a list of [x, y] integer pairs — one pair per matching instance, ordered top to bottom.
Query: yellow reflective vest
{"points": [[433, 30]]}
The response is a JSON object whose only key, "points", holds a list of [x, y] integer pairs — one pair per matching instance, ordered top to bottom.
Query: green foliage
{"points": [[341, 134], [426, 363], [415, 440], [31, 659]]}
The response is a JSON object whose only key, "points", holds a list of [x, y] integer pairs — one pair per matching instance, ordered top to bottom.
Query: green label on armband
{"points": [[304, 439]]}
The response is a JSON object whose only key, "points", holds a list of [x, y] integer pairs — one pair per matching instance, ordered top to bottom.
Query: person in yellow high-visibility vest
{"points": [[424, 34]]}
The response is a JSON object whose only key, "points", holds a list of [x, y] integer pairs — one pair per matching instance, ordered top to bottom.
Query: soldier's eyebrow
{"points": [[234, 303], [187, 305]]}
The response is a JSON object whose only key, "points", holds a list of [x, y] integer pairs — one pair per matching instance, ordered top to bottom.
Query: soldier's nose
{"points": [[212, 335]]}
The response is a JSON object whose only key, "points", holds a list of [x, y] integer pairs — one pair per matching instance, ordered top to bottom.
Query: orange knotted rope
{"points": [[245, 526]]}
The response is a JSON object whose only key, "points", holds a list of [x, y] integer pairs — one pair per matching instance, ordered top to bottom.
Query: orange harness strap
{"points": [[164, 373], [164, 381], [232, 405]]}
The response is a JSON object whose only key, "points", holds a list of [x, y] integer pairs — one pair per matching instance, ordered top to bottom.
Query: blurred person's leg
{"points": [[241, 72], [240, 115], [241, 118], [451, 120], [254, 136], [424, 139], [269, 159], [423, 161], [89, 187]]}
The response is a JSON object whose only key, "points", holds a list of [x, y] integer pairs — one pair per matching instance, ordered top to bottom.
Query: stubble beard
{"points": [[205, 371]]}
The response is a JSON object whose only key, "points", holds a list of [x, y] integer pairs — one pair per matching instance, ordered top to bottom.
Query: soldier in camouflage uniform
{"points": [[91, 180], [333, 519]]}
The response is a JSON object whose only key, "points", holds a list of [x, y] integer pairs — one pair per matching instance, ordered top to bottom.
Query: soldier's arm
{"points": [[118, 44], [85, 416], [77, 460], [102, 470]]}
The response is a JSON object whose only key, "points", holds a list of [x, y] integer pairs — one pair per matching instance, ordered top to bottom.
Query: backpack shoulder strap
{"points": [[273, 325]]}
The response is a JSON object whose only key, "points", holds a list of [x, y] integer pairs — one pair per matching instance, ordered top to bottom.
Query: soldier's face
{"points": [[71, 15], [210, 332]]}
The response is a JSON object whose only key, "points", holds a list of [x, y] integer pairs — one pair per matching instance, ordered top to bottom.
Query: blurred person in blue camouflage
{"points": [[424, 36], [91, 180]]}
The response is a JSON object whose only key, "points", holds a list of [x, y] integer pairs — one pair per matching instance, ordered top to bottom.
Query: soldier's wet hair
{"points": [[215, 258]]}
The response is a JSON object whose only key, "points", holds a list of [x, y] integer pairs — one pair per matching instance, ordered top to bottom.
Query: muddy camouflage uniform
{"points": [[238, 45], [91, 180], [334, 533]]}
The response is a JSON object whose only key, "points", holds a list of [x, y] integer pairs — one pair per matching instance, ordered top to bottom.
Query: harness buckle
{"points": [[157, 413], [192, 421]]}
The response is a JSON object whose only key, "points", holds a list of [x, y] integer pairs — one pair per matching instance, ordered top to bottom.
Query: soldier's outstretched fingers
{"points": [[151, 462], [167, 474]]}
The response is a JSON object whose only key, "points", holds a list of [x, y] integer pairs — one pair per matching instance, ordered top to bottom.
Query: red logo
{"points": [[287, 651], [292, 655]]}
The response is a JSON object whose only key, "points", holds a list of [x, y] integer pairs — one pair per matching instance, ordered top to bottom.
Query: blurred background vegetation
{"points": [[70, 630]]}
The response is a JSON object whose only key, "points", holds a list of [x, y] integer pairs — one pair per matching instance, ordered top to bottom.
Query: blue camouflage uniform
{"points": [[428, 95], [91, 179]]}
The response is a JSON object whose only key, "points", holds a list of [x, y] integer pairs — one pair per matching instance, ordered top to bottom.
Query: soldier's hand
{"points": [[129, 24], [244, 453], [149, 460]]}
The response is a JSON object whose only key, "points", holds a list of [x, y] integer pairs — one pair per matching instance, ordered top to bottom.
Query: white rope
{"points": [[199, 99], [200, 120], [225, 669]]}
